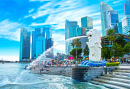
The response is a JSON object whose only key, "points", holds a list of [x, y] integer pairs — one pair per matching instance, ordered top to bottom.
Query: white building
{"points": [[126, 24]]}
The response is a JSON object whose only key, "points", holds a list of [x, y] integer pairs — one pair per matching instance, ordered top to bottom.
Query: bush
{"points": [[112, 64]]}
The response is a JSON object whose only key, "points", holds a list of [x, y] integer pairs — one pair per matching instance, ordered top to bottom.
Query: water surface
{"points": [[13, 76]]}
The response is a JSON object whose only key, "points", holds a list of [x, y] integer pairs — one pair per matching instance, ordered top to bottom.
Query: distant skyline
{"points": [[30, 14]]}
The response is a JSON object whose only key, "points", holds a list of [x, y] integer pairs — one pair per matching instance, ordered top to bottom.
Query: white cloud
{"points": [[31, 10], [71, 10], [10, 30], [9, 58]]}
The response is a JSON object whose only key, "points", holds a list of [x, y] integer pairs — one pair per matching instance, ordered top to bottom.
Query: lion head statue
{"points": [[94, 37]]}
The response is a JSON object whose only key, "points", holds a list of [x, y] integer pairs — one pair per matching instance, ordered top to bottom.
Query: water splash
{"points": [[48, 50], [39, 58]]}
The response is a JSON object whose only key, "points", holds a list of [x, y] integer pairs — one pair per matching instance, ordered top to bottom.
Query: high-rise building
{"points": [[127, 7], [103, 9], [113, 19], [87, 22], [126, 24], [118, 28], [48, 31], [70, 31], [81, 31], [40, 37], [34, 38], [50, 43], [24, 44], [40, 44]]}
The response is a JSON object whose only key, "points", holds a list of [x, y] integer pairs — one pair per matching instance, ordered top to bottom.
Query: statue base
{"points": [[94, 63]]}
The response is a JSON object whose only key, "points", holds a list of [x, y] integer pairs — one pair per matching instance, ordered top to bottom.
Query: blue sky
{"points": [[15, 14]]}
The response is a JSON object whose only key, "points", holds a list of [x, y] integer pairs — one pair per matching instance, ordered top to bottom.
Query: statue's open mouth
{"points": [[89, 35]]}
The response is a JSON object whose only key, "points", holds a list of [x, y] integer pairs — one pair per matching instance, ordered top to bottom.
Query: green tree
{"points": [[111, 35], [120, 40], [76, 43], [103, 43], [127, 48], [86, 50], [117, 50], [73, 52], [106, 52]]}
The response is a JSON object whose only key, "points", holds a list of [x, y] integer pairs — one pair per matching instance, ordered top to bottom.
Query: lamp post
{"points": [[114, 50]]}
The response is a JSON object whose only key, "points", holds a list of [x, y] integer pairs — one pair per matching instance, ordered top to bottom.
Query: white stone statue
{"points": [[94, 45]]}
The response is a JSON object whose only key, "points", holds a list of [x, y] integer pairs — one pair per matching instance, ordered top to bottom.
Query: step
{"points": [[126, 71], [120, 73], [117, 76], [114, 79], [108, 85], [126, 85]]}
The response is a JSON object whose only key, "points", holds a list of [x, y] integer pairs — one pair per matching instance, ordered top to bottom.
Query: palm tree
{"points": [[111, 35], [77, 44]]}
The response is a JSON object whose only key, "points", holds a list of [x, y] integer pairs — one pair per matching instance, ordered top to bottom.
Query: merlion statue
{"points": [[94, 45]]}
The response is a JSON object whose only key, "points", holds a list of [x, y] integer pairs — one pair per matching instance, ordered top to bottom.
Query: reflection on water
{"points": [[10, 79]]}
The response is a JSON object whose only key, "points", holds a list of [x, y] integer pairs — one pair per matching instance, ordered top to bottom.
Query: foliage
{"points": [[111, 35], [120, 40], [102, 42], [76, 43], [127, 48], [86, 50], [117, 50], [73, 52], [106, 52], [112, 64]]}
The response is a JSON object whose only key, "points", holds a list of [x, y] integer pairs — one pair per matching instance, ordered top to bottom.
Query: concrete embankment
{"points": [[64, 70]]}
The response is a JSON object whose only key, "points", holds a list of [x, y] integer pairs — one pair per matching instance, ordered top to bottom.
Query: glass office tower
{"points": [[127, 7], [103, 9], [113, 19], [87, 22], [126, 24], [48, 31], [70, 31], [40, 37], [34, 38], [40, 44], [24, 45]]}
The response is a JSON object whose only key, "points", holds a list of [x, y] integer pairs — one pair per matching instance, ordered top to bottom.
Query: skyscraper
{"points": [[127, 7], [103, 9], [113, 19], [87, 22], [126, 24], [48, 31], [70, 31], [81, 31], [34, 38], [40, 39], [24, 44], [40, 44]]}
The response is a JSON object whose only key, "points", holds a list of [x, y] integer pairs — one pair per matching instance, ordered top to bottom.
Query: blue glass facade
{"points": [[127, 7], [103, 9], [113, 19], [87, 22], [126, 25], [48, 31], [70, 31], [81, 31], [40, 37], [34, 38], [50, 43], [24, 44], [40, 45]]}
